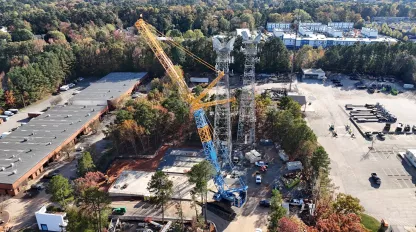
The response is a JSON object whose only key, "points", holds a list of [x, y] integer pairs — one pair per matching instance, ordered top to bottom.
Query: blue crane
{"points": [[237, 196]]}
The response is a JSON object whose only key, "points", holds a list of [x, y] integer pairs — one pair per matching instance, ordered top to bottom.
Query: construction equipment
{"points": [[236, 196]]}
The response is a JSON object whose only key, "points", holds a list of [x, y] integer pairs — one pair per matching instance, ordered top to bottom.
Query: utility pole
{"points": [[222, 116], [246, 133]]}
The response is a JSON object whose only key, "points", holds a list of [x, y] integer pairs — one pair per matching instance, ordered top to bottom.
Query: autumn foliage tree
{"points": [[130, 131], [91, 179], [339, 223], [287, 225]]}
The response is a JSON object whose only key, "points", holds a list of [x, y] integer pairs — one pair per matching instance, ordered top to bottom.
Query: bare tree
{"points": [[56, 101], [4, 202]]}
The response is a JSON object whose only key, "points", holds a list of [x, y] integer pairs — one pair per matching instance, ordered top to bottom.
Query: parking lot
{"points": [[352, 160]]}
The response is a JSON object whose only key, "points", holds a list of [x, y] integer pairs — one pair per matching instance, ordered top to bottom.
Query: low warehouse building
{"points": [[313, 74], [109, 90], [25, 152]]}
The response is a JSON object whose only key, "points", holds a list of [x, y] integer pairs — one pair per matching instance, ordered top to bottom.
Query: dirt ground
{"points": [[118, 166]]}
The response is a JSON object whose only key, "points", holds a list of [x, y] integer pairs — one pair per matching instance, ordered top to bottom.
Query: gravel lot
{"points": [[351, 159]]}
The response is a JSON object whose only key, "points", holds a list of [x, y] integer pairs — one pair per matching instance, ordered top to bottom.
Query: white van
{"points": [[64, 88], [8, 113]]}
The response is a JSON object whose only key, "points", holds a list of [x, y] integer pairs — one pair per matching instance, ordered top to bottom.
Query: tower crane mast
{"points": [[237, 196]]}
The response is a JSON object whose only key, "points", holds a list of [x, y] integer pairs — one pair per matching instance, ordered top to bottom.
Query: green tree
{"points": [[303, 15], [21, 35], [5, 36], [55, 36], [274, 56], [198, 90], [320, 160], [85, 164], [199, 175], [161, 188], [60, 190], [95, 203], [347, 204], [276, 210], [77, 220]]}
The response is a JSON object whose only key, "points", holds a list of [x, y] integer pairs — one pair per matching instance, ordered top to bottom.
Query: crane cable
{"points": [[174, 43]]}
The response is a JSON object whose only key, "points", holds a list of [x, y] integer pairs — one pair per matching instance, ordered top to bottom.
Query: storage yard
{"points": [[354, 159]]}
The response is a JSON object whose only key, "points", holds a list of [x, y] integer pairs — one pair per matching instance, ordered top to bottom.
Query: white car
{"points": [[71, 85], [261, 164], [258, 179], [296, 202]]}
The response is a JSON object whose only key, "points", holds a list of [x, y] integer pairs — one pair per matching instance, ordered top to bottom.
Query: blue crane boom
{"points": [[237, 196]]}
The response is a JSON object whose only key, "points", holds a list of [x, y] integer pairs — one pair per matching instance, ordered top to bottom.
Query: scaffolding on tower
{"points": [[222, 116], [246, 133]]}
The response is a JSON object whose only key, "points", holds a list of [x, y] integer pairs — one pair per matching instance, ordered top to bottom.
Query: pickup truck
{"points": [[261, 164], [375, 178]]}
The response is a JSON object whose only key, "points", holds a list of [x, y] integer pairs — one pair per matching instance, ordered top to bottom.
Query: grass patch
{"points": [[293, 183], [369, 222]]}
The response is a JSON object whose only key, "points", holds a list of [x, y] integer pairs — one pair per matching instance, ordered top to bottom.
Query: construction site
{"points": [[235, 186]]}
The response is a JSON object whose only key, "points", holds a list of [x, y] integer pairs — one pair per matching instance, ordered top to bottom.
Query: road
{"points": [[21, 117]]}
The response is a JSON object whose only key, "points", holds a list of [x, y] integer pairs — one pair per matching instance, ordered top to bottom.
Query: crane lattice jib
{"points": [[164, 60], [197, 109]]}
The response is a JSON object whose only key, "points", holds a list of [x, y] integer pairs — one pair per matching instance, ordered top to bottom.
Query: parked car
{"points": [[71, 85], [371, 90], [8, 113], [399, 127], [368, 135], [381, 135], [261, 164], [51, 174], [375, 178], [258, 179], [38, 187], [296, 202], [264, 203], [119, 210]]}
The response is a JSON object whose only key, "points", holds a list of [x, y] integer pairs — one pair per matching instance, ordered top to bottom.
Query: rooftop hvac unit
{"points": [[109, 90], [85, 107], [93, 110], [88, 114], [48, 115], [68, 116], [79, 120], [71, 123], [64, 130], [33, 133], [25, 140], [49, 143], [13, 156], [20, 159], [12, 165], [2, 169], [14, 172]]}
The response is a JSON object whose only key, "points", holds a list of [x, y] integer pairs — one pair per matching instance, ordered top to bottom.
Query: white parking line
{"points": [[384, 171], [397, 171], [391, 172], [404, 181], [397, 182]]}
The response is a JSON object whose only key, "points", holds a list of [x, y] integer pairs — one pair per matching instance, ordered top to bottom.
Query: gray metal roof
{"points": [[109, 87], [29, 144]]}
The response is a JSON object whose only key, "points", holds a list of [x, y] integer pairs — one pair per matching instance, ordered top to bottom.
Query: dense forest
{"points": [[52, 42]]}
